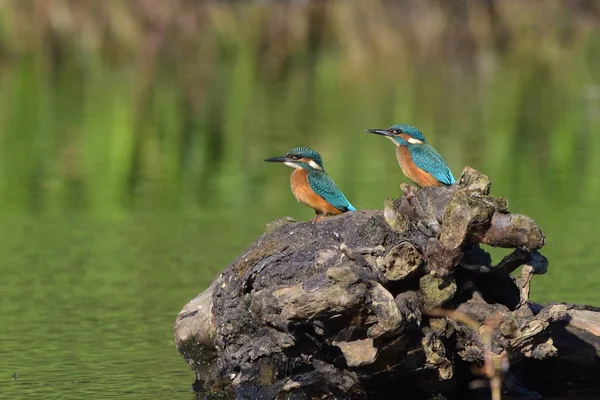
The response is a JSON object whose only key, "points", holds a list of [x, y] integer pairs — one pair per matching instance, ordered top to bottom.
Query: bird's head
{"points": [[401, 134], [300, 157]]}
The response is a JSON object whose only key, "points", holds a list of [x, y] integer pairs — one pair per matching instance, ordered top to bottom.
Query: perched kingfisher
{"points": [[420, 162], [311, 185]]}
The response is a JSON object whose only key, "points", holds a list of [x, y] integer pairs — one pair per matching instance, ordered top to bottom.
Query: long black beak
{"points": [[383, 132], [278, 159]]}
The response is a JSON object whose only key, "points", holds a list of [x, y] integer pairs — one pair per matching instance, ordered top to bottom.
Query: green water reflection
{"points": [[124, 188]]}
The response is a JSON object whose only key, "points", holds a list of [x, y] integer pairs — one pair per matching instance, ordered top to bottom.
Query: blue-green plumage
{"points": [[413, 131], [305, 153], [429, 160], [324, 186]]}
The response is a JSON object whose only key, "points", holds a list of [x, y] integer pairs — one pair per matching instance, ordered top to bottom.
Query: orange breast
{"points": [[410, 169], [306, 195]]}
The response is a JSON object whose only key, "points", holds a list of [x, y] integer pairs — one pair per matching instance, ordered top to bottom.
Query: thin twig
{"points": [[494, 364]]}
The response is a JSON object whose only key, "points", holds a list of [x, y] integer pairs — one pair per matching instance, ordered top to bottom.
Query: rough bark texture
{"points": [[339, 308]]}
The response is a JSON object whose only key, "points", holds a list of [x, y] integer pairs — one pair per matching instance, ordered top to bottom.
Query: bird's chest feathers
{"points": [[407, 165], [411, 170], [300, 186]]}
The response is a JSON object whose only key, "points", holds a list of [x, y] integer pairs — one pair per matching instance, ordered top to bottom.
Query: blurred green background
{"points": [[133, 133]]}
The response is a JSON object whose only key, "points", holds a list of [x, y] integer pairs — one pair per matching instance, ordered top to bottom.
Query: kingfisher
{"points": [[420, 162], [311, 185]]}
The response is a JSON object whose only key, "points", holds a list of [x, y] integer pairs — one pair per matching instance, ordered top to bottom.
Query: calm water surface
{"points": [[122, 196]]}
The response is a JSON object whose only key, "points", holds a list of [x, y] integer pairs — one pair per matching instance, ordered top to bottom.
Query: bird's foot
{"points": [[317, 218]]}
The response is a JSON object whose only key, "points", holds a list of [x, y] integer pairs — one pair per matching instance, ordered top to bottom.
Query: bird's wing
{"points": [[429, 160], [324, 186]]}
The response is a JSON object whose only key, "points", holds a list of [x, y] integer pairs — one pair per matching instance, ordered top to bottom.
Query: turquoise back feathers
{"points": [[429, 160], [324, 186]]}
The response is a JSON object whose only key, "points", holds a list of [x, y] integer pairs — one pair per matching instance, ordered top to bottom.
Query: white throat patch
{"points": [[393, 141], [291, 164]]}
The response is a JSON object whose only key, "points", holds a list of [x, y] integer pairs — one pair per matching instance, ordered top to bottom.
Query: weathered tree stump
{"points": [[353, 305]]}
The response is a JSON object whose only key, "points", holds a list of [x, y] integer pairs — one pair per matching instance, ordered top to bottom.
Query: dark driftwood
{"points": [[340, 307]]}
